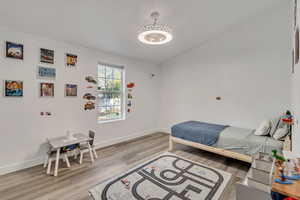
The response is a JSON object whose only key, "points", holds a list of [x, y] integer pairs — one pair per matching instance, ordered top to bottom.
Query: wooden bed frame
{"points": [[223, 152]]}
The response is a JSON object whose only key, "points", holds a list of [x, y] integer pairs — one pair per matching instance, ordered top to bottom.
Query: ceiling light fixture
{"points": [[155, 34]]}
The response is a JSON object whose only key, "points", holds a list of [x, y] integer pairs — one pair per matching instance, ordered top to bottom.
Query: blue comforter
{"points": [[200, 132]]}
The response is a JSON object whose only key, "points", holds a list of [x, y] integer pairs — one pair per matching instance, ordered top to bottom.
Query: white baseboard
{"points": [[164, 130], [126, 138], [40, 160], [21, 165]]}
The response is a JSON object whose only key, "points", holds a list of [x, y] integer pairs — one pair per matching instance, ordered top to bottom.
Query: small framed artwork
{"points": [[14, 50], [47, 56], [71, 60], [46, 72], [13, 88], [47, 89], [71, 90]]}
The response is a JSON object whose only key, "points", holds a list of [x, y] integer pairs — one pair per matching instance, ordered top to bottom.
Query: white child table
{"points": [[59, 142]]}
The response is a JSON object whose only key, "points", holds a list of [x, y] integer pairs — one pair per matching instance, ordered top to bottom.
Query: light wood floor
{"points": [[73, 183]]}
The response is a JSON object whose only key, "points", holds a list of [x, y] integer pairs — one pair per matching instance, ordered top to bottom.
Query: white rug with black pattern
{"points": [[166, 177]]}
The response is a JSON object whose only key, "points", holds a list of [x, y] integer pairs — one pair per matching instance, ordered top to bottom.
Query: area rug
{"points": [[166, 177]]}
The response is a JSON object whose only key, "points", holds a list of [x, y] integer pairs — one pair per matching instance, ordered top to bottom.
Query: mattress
{"points": [[200, 132], [244, 141]]}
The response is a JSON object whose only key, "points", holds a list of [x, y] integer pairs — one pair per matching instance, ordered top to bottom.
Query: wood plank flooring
{"points": [[73, 183]]}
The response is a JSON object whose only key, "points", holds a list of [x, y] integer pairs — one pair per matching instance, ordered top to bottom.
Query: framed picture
{"points": [[14, 50], [47, 56], [71, 60], [46, 72], [13, 88], [47, 89], [71, 90]]}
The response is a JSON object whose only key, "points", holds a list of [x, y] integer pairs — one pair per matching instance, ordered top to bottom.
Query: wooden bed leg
{"points": [[171, 144]]}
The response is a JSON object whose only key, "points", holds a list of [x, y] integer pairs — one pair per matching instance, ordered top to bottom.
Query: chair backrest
{"points": [[92, 136]]}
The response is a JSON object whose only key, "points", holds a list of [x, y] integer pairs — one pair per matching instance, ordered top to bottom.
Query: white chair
{"points": [[84, 148], [49, 152], [52, 157]]}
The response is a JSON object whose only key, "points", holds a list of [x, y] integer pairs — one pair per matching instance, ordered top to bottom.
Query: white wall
{"points": [[248, 66], [296, 96], [23, 130]]}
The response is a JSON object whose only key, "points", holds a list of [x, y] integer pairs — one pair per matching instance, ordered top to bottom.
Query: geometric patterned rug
{"points": [[166, 177]]}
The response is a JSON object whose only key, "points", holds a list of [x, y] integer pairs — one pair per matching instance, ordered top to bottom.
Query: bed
{"points": [[229, 141]]}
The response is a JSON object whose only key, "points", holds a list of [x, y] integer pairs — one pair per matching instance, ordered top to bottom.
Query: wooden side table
{"points": [[291, 190]]}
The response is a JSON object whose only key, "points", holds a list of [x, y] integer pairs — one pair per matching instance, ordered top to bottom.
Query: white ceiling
{"points": [[112, 25]]}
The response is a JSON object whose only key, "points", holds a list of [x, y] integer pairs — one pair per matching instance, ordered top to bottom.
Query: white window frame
{"points": [[122, 94]]}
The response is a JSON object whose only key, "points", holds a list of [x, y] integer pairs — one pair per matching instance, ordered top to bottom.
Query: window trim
{"points": [[123, 94]]}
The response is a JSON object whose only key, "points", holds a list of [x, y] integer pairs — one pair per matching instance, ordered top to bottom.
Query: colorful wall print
{"points": [[14, 50], [47, 56], [71, 60], [46, 72], [90, 79], [130, 87], [13, 88], [47, 89], [71, 90], [89, 96], [89, 105]]}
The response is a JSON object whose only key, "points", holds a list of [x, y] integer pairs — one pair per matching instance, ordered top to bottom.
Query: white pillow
{"points": [[274, 125], [264, 128], [280, 133]]}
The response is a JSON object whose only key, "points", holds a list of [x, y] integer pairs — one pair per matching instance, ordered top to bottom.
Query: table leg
{"points": [[91, 153], [67, 160], [56, 162]]}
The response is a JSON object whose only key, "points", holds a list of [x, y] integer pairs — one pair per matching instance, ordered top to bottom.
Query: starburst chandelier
{"points": [[155, 34]]}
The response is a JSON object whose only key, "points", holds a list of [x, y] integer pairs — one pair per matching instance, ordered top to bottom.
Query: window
{"points": [[110, 93]]}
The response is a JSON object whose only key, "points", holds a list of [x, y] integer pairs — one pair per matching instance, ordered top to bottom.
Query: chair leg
{"points": [[76, 152], [91, 153], [95, 153], [81, 157], [67, 160], [46, 161], [57, 162], [49, 166]]}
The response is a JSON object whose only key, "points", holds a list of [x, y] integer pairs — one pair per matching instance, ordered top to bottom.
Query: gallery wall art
{"points": [[14, 50], [47, 56], [71, 60], [46, 72], [130, 87], [13, 88], [47, 89], [71, 90], [90, 103]]}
